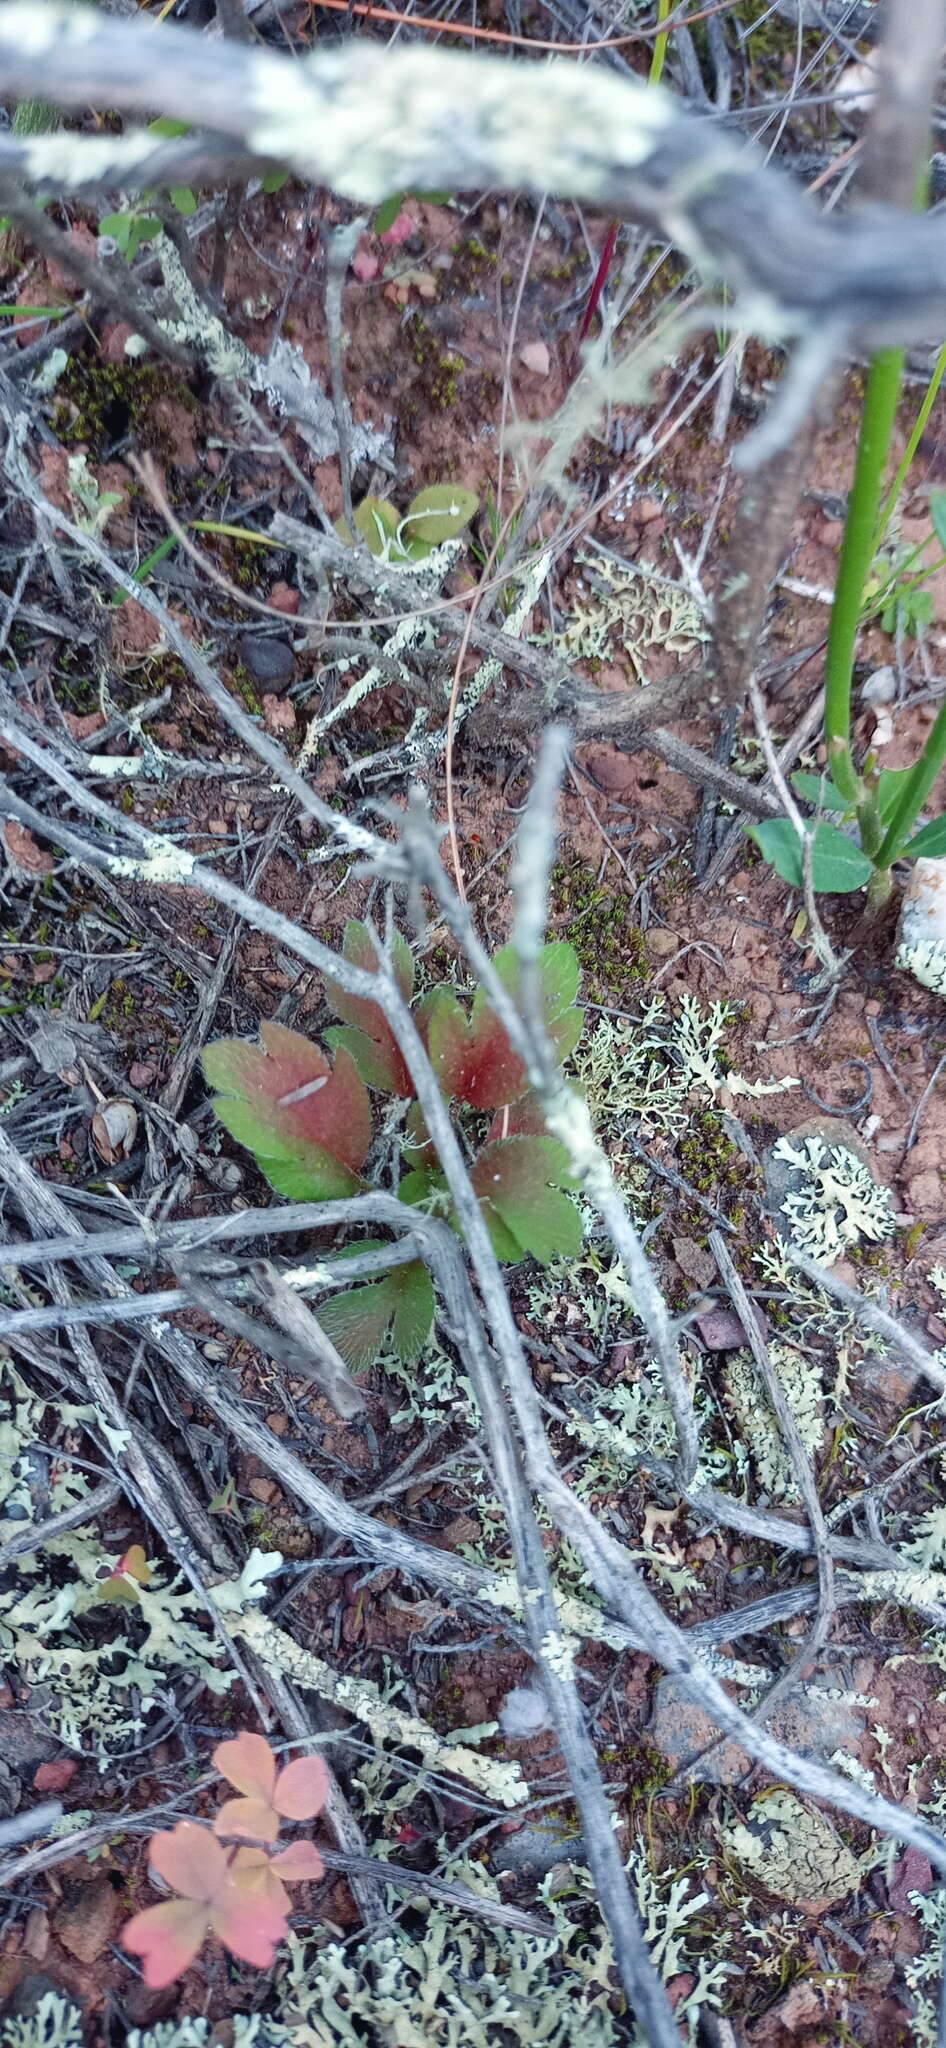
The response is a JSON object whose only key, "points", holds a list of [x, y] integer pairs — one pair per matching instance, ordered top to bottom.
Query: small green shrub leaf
{"points": [[164, 125], [275, 180], [183, 198], [387, 213], [438, 513], [376, 521], [819, 790], [930, 841], [838, 866], [307, 1123], [518, 1182], [399, 1305]]}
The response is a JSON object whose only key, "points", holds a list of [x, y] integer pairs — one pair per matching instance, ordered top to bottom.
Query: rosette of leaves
{"points": [[437, 514], [307, 1119], [231, 1882]]}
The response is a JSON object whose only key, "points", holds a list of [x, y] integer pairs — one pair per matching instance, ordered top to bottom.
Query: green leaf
{"points": [[165, 126], [275, 180], [183, 198], [388, 212], [438, 513], [938, 515], [376, 521], [819, 790], [929, 841], [838, 866], [514, 1181], [400, 1303]]}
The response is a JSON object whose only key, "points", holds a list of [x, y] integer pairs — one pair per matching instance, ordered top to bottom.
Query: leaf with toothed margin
{"points": [[364, 1031], [472, 1056], [307, 1123], [519, 1182], [398, 1307]]}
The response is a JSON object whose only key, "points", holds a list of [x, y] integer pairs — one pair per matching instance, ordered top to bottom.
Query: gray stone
{"points": [[269, 661]]}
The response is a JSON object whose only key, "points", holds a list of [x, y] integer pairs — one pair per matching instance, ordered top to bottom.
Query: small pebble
{"points": [[270, 661]]}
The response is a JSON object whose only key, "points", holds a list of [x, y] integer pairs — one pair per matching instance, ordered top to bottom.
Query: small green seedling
{"points": [[389, 209], [134, 226], [437, 514], [878, 808], [306, 1115], [228, 1881]]}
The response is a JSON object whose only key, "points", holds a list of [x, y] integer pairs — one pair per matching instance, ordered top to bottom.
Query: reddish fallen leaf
{"points": [[400, 230], [365, 266], [282, 598], [23, 853], [55, 1776], [295, 1793], [167, 1937]]}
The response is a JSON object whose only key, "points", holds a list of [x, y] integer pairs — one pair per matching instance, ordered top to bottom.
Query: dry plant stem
{"points": [[340, 245], [118, 292], [750, 563], [833, 966], [566, 1115], [37, 1200], [873, 1317], [611, 1569], [805, 1657]]}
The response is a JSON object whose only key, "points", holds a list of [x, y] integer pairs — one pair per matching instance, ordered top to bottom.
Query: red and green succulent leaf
{"points": [[368, 1036], [472, 1056], [307, 1123], [519, 1182], [398, 1308]]}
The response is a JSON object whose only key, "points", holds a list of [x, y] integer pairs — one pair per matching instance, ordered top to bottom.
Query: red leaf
{"points": [[370, 1040], [472, 1057], [309, 1124], [249, 1763], [54, 1777], [302, 1788], [298, 1792], [300, 1863], [167, 1937]]}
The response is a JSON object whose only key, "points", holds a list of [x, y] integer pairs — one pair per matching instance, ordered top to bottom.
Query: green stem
{"points": [[659, 52], [916, 437], [857, 555], [914, 794]]}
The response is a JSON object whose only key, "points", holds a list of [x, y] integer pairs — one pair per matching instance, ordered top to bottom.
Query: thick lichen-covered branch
{"points": [[368, 120]]}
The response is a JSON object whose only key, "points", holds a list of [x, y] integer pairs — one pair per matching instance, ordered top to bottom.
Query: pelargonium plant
{"points": [[306, 1115]]}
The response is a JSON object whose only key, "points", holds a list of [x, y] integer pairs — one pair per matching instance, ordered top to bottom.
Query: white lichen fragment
{"points": [[633, 604], [921, 939], [925, 959], [838, 1202], [756, 1423], [559, 1655], [359, 1696], [794, 1851]]}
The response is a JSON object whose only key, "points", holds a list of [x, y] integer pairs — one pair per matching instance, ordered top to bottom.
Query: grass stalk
{"points": [[857, 555]]}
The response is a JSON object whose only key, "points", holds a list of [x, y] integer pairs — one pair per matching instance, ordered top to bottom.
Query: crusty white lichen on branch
{"points": [[368, 120]]}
